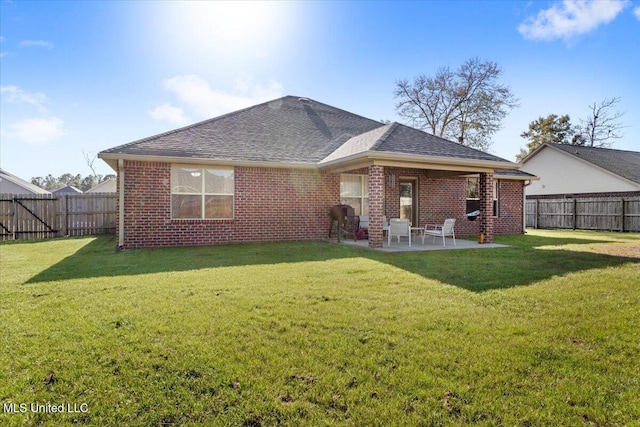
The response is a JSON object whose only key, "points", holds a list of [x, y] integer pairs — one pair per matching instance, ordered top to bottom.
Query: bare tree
{"points": [[466, 105], [602, 126], [90, 160]]}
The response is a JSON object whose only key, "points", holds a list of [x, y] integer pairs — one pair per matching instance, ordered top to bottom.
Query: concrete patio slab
{"points": [[417, 246]]}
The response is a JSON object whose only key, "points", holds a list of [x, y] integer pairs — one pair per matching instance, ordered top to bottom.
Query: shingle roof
{"points": [[282, 130], [295, 130], [398, 138], [408, 140], [360, 143], [623, 163], [514, 172], [68, 189]]}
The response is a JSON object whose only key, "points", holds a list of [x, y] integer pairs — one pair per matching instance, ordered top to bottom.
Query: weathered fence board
{"points": [[611, 214], [41, 216]]}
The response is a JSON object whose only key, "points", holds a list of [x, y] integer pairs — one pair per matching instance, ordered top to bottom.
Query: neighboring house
{"points": [[577, 171], [272, 172], [11, 184], [106, 186], [68, 189]]}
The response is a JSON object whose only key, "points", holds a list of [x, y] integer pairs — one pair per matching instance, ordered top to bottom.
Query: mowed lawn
{"points": [[545, 332]]}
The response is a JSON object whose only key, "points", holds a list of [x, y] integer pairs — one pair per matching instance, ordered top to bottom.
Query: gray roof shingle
{"points": [[282, 130], [295, 130], [408, 140], [623, 163]]}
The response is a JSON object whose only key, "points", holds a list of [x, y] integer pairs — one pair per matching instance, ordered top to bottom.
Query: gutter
{"points": [[373, 157], [382, 158]]}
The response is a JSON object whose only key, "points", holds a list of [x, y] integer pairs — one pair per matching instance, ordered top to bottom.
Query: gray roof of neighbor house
{"points": [[296, 131], [623, 163], [68, 189]]}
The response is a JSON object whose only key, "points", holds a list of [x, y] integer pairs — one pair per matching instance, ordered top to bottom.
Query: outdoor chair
{"points": [[364, 222], [385, 225], [399, 228], [444, 230]]}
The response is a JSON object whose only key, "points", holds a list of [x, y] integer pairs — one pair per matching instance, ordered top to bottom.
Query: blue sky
{"points": [[80, 77]]}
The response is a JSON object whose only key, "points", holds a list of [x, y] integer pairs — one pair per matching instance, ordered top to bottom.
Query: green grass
{"points": [[545, 332]]}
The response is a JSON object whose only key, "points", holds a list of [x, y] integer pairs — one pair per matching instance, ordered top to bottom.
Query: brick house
{"points": [[272, 172]]}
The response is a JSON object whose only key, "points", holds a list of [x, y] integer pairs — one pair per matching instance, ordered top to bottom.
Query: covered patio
{"points": [[381, 163]]}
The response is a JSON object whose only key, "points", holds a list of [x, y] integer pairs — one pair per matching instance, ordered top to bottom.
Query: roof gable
{"points": [[401, 139], [408, 140], [68, 189]]}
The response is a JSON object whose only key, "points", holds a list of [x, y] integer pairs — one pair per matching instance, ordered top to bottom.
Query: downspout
{"points": [[121, 204], [524, 206]]}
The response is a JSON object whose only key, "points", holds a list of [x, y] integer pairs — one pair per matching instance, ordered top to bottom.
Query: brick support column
{"points": [[376, 205], [486, 207]]}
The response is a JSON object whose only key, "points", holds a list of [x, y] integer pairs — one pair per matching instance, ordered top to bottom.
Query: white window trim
{"points": [[203, 194]]}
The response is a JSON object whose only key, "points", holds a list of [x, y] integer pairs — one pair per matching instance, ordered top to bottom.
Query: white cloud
{"points": [[636, 12], [570, 18], [36, 43], [16, 95], [206, 102], [169, 113], [39, 132]]}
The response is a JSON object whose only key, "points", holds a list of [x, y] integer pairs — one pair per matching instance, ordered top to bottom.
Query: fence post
{"points": [[63, 209], [575, 212], [537, 213], [622, 215], [15, 218]]}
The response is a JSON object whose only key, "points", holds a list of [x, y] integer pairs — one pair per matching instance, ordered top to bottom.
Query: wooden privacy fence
{"points": [[611, 214], [41, 216]]}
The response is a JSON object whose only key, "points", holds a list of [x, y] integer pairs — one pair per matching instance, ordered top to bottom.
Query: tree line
{"points": [[468, 105], [51, 183]]}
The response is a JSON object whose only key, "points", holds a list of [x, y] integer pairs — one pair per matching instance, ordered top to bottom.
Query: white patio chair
{"points": [[364, 222], [385, 225], [400, 228], [443, 230]]}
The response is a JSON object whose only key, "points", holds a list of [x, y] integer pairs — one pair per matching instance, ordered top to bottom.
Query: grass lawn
{"points": [[546, 332]]}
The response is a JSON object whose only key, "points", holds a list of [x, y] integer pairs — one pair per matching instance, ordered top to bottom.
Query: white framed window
{"points": [[354, 191], [202, 192], [473, 195]]}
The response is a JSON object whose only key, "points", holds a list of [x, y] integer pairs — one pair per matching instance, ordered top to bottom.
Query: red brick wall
{"points": [[485, 182], [442, 198], [289, 204], [376, 204], [270, 205], [510, 207]]}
